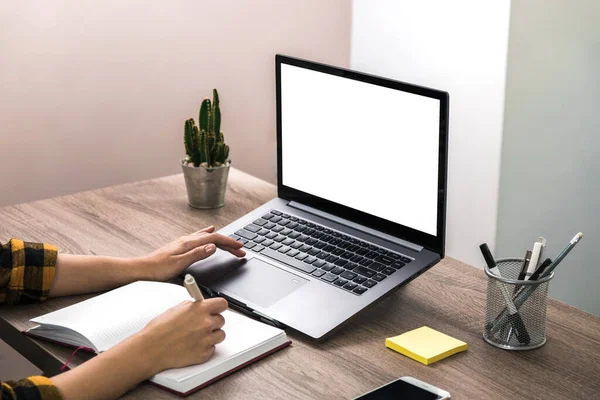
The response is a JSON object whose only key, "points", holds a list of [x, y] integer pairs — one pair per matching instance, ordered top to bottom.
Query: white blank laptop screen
{"points": [[368, 147]]}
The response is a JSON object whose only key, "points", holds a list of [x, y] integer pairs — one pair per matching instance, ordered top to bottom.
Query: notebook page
{"points": [[111, 317], [243, 334]]}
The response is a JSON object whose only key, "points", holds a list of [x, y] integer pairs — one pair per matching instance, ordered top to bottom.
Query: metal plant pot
{"points": [[206, 186]]}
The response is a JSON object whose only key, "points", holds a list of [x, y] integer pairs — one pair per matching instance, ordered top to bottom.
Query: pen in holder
{"points": [[515, 314]]}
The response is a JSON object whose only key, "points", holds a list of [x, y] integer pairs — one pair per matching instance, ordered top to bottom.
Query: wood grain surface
{"points": [[134, 219]]}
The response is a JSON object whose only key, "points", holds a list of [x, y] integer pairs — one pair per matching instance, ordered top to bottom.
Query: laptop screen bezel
{"points": [[436, 242]]}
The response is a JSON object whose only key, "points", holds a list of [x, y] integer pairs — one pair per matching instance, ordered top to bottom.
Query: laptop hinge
{"points": [[353, 225], [244, 309]]}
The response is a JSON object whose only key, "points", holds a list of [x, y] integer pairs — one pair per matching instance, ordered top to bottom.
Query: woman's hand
{"points": [[173, 258], [84, 274], [184, 335]]}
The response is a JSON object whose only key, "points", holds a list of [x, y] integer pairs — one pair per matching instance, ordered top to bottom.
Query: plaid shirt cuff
{"points": [[26, 271], [32, 388]]}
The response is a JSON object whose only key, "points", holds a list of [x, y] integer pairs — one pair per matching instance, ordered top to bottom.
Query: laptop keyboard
{"points": [[334, 257]]}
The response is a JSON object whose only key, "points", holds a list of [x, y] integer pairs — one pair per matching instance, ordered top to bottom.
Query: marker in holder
{"points": [[530, 316]]}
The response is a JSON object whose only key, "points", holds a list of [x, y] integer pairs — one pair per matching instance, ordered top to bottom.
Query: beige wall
{"points": [[95, 93]]}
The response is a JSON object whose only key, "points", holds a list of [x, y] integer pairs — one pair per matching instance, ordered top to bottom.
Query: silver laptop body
{"points": [[361, 200]]}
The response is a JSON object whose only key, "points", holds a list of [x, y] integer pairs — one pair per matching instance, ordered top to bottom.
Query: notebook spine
{"points": [[45, 339]]}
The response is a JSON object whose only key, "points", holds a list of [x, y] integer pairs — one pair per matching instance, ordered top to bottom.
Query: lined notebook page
{"points": [[109, 318]]}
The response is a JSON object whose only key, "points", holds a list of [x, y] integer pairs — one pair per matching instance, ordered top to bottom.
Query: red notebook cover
{"points": [[205, 384]]}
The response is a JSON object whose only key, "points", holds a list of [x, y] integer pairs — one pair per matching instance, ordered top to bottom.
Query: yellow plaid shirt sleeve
{"points": [[26, 271], [26, 275], [32, 388]]}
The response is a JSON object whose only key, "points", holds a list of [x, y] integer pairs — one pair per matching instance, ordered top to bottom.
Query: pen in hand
{"points": [[192, 287]]}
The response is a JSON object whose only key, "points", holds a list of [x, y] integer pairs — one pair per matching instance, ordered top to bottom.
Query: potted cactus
{"points": [[206, 166]]}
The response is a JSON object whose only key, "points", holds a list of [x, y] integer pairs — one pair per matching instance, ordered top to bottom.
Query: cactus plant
{"points": [[205, 143]]}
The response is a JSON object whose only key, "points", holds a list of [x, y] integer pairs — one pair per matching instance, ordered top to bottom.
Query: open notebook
{"points": [[105, 320]]}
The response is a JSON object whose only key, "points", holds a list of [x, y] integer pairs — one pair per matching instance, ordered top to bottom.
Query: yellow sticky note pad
{"points": [[425, 345]]}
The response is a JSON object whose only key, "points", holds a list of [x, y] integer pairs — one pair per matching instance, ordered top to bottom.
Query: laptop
{"points": [[361, 200]]}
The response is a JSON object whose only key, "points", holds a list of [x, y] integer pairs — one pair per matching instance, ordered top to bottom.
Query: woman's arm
{"points": [[30, 272], [77, 274], [184, 335]]}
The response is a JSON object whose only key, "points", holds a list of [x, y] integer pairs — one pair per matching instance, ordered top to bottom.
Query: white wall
{"points": [[460, 47], [95, 93], [550, 177]]}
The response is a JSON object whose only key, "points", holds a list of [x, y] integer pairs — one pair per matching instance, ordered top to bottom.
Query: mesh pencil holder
{"points": [[515, 311]]}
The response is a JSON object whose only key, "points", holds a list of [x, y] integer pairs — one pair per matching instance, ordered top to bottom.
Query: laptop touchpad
{"points": [[259, 282]]}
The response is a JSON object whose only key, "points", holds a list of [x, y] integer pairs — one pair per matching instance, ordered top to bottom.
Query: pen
{"points": [[536, 255], [489, 260], [524, 266], [540, 270], [522, 274], [533, 277], [192, 287], [516, 289], [523, 295], [522, 333]]}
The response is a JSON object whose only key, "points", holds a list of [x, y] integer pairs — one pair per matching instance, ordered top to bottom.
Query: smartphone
{"points": [[408, 388]]}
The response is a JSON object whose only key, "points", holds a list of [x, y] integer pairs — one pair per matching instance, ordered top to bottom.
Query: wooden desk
{"points": [[133, 219]]}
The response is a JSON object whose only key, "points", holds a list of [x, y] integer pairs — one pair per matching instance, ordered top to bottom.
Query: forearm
{"points": [[77, 274], [110, 374]]}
